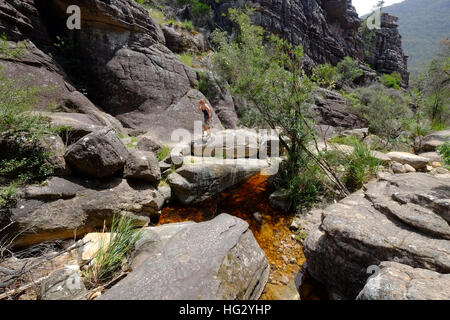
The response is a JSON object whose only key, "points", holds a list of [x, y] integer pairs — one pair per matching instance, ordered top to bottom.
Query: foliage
{"points": [[198, 7], [157, 15], [188, 25], [11, 53], [186, 58], [348, 70], [266, 72], [324, 75], [392, 80], [434, 85], [385, 109], [350, 140], [444, 150], [163, 153], [22, 159], [358, 167], [303, 187], [7, 196], [110, 258]]}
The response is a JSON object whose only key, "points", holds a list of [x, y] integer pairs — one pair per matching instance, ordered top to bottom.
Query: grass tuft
{"points": [[110, 258]]}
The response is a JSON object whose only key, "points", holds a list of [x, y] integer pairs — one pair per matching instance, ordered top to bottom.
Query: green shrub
{"points": [[198, 7], [188, 25], [7, 52], [186, 58], [348, 70], [324, 75], [392, 80], [206, 86], [387, 110], [346, 140], [444, 150], [164, 152], [22, 158], [360, 166], [357, 168], [302, 181], [7, 196], [110, 258]]}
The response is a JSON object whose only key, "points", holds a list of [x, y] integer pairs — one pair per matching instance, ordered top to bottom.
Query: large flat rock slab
{"points": [[402, 218], [217, 259], [397, 281]]}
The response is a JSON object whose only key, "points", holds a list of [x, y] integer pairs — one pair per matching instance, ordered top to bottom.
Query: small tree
{"points": [[348, 71], [324, 75], [271, 79], [434, 83], [385, 109]]}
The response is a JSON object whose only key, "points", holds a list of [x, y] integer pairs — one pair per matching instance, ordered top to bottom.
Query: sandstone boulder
{"points": [[179, 40], [220, 98], [76, 125], [431, 142], [148, 143], [228, 144], [56, 150], [99, 154], [432, 156], [413, 160], [142, 165], [201, 178], [279, 200], [64, 209], [402, 218], [218, 259], [397, 281], [63, 284]]}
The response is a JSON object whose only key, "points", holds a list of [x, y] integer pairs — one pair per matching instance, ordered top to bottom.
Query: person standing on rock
{"points": [[203, 107]]}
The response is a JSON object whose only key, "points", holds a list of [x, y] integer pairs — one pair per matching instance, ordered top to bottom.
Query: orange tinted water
{"points": [[285, 255]]}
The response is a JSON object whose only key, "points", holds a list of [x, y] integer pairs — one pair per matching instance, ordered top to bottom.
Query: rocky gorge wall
{"points": [[329, 30], [121, 61]]}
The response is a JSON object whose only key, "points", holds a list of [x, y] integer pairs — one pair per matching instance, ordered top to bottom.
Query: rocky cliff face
{"points": [[327, 29], [384, 49], [120, 58]]}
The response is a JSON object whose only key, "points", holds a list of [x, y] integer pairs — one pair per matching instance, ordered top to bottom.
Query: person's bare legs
{"points": [[205, 129]]}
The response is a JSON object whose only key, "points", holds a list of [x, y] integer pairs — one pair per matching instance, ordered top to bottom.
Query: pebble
{"points": [[436, 164]]}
